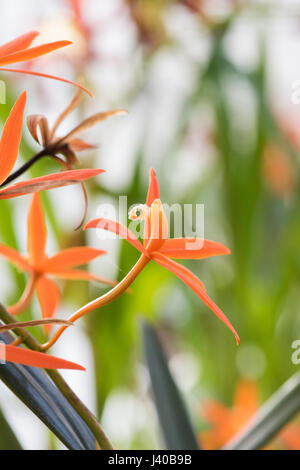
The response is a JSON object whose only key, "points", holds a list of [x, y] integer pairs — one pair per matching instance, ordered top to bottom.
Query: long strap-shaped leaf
{"points": [[35, 389], [271, 417], [177, 430], [8, 440]]}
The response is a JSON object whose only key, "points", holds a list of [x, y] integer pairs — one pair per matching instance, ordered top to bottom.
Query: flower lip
{"points": [[138, 212]]}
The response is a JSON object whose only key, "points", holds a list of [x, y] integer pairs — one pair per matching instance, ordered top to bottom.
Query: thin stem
{"points": [[25, 167], [103, 300], [61, 384]]}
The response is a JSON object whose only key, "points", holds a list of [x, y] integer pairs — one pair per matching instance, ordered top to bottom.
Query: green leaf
{"points": [[33, 387], [272, 416], [176, 427], [8, 439]]}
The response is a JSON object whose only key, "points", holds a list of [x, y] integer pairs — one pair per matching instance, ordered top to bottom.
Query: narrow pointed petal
{"points": [[18, 44], [33, 53], [46, 75], [62, 116], [35, 122], [90, 122], [11, 138], [43, 183], [153, 190], [118, 229], [36, 232], [192, 248], [14, 257], [72, 257], [177, 269], [79, 275], [193, 283], [49, 299], [37, 359]]}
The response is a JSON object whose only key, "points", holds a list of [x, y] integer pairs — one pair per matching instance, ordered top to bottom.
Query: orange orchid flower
{"points": [[19, 50], [9, 149], [156, 248], [40, 266], [227, 422]]}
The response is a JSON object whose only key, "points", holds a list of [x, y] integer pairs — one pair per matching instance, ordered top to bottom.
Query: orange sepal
{"points": [[18, 44], [32, 53], [11, 138], [55, 180], [153, 190], [118, 229], [37, 232], [192, 248], [14, 257], [72, 257], [79, 275], [195, 284], [49, 298], [37, 359]]}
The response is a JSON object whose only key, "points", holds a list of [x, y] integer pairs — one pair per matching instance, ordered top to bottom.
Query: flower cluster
{"points": [[156, 247]]}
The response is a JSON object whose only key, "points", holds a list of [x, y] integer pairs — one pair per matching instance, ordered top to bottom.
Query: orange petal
{"points": [[18, 44], [33, 53], [45, 75], [37, 122], [11, 138], [55, 180], [153, 190], [156, 227], [118, 229], [37, 232], [192, 248], [14, 257], [72, 257], [177, 269], [79, 275], [195, 284], [49, 298], [37, 359], [246, 396]]}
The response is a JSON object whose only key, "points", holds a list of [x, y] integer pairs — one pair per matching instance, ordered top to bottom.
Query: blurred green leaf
{"points": [[272, 416], [174, 420], [8, 439]]}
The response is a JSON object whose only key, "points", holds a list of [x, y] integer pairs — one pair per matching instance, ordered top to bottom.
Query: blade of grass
{"points": [[176, 427]]}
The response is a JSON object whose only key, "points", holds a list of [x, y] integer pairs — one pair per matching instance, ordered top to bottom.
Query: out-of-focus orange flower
{"points": [[19, 50], [9, 149], [278, 171], [40, 266], [226, 422]]}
